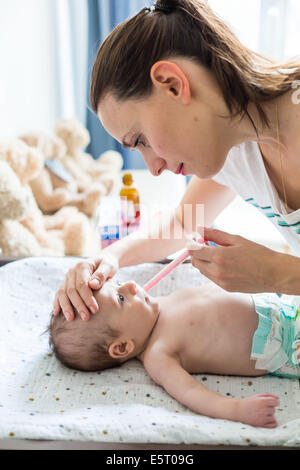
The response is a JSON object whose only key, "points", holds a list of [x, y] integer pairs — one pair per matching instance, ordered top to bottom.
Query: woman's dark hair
{"points": [[192, 30]]}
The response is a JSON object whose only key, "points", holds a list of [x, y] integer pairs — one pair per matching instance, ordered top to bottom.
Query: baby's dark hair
{"points": [[81, 346]]}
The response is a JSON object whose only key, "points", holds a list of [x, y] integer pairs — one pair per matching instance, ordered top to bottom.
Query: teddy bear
{"points": [[76, 138], [55, 187], [68, 232], [15, 239]]}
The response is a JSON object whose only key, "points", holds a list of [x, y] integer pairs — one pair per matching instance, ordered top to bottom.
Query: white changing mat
{"points": [[41, 399]]}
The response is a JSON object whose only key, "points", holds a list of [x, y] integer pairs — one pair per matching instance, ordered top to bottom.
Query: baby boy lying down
{"points": [[195, 330]]}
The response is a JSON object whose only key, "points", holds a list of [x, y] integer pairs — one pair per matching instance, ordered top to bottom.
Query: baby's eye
{"points": [[119, 283], [122, 298]]}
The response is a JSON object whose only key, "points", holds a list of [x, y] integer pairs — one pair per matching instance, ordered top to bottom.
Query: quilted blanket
{"points": [[41, 399]]}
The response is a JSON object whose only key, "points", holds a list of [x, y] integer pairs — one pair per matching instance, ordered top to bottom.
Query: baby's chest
{"points": [[185, 333], [201, 333]]}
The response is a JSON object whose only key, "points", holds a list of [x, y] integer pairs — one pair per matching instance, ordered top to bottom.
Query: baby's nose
{"points": [[131, 285]]}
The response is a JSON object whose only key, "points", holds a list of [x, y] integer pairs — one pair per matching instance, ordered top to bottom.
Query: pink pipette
{"points": [[169, 268]]}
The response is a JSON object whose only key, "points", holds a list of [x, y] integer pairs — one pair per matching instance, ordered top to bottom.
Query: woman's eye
{"points": [[138, 142]]}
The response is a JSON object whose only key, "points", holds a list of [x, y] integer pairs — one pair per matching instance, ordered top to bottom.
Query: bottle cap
{"points": [[127, 179]]}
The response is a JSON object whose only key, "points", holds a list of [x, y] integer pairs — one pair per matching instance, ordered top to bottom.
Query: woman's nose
{"points": [[156, 165]]}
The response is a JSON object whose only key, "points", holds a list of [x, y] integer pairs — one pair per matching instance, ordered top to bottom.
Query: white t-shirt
{"points": [[244, 172]]}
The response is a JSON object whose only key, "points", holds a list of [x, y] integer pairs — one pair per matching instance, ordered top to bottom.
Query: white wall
{"points": [[239, 15], [270, 27], [293, 29], [28, 98]]}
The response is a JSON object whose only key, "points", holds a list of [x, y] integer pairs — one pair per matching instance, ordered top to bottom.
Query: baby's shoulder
{"points": [[161, 342], [153, 350], [156, 352], [156, 360]]}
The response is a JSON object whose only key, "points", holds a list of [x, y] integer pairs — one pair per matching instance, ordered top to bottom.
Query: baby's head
{"points": [[117, 332]]}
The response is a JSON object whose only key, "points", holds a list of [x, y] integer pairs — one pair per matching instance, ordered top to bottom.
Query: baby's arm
{"points": [[257, 410]]}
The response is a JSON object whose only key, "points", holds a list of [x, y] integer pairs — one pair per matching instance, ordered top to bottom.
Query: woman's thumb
{"points": [[217, 236], [97, 280]]}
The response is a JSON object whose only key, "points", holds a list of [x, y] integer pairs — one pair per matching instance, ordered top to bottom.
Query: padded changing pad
{"points": [[41, 399]]}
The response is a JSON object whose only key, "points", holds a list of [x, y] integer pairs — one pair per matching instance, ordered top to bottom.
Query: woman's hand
{"points": [[237, 264], [76, 290]]}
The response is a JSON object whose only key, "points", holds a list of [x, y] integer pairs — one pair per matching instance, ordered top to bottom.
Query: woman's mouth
{"points": [[180, 170]]}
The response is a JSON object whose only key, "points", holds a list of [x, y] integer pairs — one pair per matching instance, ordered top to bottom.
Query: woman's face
{"points": [[179, 127]]}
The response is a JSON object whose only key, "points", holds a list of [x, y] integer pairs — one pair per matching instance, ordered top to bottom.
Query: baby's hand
{"points": [[258, 410]]}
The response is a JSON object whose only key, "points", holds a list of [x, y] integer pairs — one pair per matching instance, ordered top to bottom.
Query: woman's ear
{"points": [[170, 78], [121, 349]]}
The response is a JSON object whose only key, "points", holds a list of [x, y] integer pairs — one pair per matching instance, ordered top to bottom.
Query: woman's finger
{"points": [[217, 236], [198, 250], [203, 253], [206, 269], [100, 276], [84, 290], [74, 297], [65, 304], [56, 305]]}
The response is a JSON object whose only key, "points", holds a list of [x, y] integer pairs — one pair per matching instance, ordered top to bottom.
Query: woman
{"points": [[175, 83]]}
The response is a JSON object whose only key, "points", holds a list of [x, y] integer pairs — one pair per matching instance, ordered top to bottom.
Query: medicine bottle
{"points": [[130, 205]]}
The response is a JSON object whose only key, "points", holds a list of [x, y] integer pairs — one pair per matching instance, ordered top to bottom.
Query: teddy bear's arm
{"points": [[48, 199]]}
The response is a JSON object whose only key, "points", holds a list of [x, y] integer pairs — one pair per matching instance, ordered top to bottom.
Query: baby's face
{"points": [[128, 308]]}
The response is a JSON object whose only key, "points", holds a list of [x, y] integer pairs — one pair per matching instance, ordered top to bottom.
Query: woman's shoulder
{"points": [[241, 154], [242, 161]]}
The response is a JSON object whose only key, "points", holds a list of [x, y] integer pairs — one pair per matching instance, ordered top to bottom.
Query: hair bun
{"points": [[166, 6]]}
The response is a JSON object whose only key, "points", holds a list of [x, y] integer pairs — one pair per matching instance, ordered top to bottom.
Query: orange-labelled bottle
{"points": [[130, 205]]}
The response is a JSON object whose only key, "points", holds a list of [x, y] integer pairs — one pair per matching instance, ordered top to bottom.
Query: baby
{"points": [[196, 330]]}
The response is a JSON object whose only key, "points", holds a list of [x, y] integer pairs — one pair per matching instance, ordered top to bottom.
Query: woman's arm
{"points": [[201, 197], [150, 243], [288, 274]]}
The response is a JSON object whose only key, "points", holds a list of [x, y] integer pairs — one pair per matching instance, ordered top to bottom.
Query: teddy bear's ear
{"points": [[73, 133], [33, 139], [50, 146], [13, 151], [111, 160], [27, 162], [13, 197]]}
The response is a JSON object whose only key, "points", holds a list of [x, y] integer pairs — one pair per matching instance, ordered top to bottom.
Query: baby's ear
{"points": [[121, 349]]}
